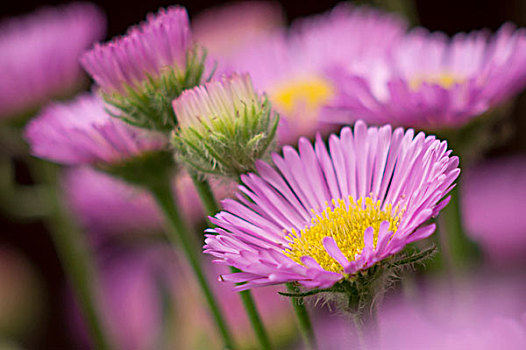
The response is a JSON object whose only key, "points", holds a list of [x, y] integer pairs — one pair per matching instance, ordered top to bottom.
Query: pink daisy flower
{"points": [[161, 41], [40, 52], [291, 67], [431, 82], [82, 132], [324, 215]]}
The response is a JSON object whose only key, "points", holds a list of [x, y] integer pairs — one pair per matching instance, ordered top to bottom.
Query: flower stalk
{"points": [[179, 234], [460, 250], [73, 253], [303, 317]]}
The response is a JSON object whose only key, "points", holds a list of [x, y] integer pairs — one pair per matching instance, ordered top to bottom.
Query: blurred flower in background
{"points": [[224, 30], [39, 55], [290, 66], [431, 82], [82, 132], [107, 205], [493, 205], [133, 289], [150, 303], [479, 312], [482, 313]]}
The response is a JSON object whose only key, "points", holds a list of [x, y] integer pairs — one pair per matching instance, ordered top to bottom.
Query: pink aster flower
{"points": [[226, 29], [161, 41], [40, 52], [291, 67], [432, 82], [82, 132], [493, 209], [326, 214]]}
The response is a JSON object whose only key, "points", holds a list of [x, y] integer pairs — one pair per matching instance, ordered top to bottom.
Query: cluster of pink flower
{"points": [[336, 210]]}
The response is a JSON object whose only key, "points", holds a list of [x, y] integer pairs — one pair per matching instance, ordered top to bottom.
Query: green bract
{"points": [[228, 146]]}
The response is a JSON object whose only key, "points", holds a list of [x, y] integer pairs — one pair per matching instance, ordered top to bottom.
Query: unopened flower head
{"points": [[40, 52], [291, 66], [143, 71], [432, 82], [224, 126], [82, 132], [327, 217]]}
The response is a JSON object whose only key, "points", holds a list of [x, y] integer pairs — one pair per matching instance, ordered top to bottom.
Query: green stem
{"points": [[205, 193], [212, 207], [179, 234], [459, 250], [72, 251], [253, 315], [303, 319]]}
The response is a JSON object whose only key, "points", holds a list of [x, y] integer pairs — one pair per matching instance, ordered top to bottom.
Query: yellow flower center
{"points": [[445, 80], [311, 93], [345, 223]]}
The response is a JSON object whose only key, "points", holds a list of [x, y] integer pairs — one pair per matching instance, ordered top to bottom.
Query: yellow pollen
{"points": [[445, 80], [311, 93], [345, 223]]}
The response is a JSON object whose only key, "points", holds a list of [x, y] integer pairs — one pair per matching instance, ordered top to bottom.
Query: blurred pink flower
{"points": [[226, 29], [39, 54], [290, 66], [431, 82], [82, 132], [493, 197], [107, 205], [133, 285], [130, 297], [485, 314]]}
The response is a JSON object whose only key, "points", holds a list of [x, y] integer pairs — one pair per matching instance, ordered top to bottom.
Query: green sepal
{"points": [[149, 105], [228, 147]]}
